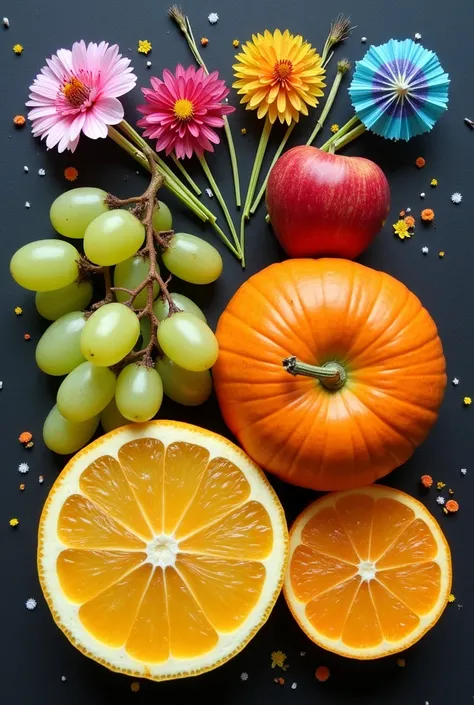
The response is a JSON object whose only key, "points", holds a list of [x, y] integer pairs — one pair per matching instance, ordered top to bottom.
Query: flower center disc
{"points": [[283, 69], [76, 92], [183, 109], [162, 551]]}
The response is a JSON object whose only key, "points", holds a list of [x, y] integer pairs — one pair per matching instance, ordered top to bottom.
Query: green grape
{"points": [[73, 210], [162, 218], [113, 237], [192, 259], [45, 265], [130, 273], [54, 304], [161, 307], [145, 330], [109, 334], [188, 341], [59, 349], [184, 387], [85, 392], [139, 392], [111, 418], [63, 436]]}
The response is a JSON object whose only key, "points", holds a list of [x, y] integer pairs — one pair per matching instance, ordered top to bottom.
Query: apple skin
{"points": [[324, 204]]}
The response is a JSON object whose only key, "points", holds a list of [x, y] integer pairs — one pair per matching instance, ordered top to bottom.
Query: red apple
{"points": [[324, 204]]}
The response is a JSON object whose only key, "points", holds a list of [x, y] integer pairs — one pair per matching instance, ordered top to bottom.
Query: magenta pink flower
{"points": [[77, 91], [181, 110]]}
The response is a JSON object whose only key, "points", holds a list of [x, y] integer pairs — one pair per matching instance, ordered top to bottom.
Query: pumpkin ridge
{"points": [[360, 317], [305, 318], [266, 338], [411, 404], [273, 413]]}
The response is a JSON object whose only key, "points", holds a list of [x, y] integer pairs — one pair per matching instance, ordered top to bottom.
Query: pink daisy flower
{"points": [[77, 92], [181, 110]]}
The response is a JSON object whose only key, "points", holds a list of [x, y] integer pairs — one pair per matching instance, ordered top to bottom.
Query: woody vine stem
{"points": [[143, 209]]}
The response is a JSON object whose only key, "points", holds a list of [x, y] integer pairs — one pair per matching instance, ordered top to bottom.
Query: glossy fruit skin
{"points": [[326, 205], [73, 210], [162, 218], [113, 237], [192, 259], [45, 265], [130, 273], [73, 297], [161, 307], [324, 311], [109, 334], [188, 341], [59, 349], [182, 386], [85, 392], [139, 392], [111, 418], [65, 437]]}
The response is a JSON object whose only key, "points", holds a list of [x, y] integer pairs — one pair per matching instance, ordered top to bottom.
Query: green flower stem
{"points": [[327, 107], [344, 129], [349, 137], [280, 149], [143, 161], [180, 166], [221, 200], [226, 241]]}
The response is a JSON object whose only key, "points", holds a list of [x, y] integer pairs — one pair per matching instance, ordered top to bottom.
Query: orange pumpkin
{"points": [[364, 389]]}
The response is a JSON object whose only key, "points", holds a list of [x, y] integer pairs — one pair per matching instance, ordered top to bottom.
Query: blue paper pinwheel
{"points": [[399, 89]]}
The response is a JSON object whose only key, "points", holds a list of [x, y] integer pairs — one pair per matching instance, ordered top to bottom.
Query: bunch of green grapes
{"points": [[91, 350]]}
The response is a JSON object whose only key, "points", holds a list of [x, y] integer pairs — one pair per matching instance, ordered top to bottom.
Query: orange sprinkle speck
{"points": [[204, 41], [19, 120], [420, 162], [71, 173], [402, 214], [427, 214], [410, 221], [27, 336], [25, 437], [426, 480], [22, 486], [452, 506], [401, 662], [322, 673], [280, 681]]}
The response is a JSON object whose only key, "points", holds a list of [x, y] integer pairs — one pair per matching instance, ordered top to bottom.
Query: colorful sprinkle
{"points": [[213, 17], [204, 41], [235, 43], [144, 46], [18, 49], [19, 120], [334, 128], [420, 162], [71, 173], [434, 182], [456, 197], [427, 214], [18, 310], [467, 401], [25, 437], [23, 468], [426, 480], [440, 485], [452, 506], [14, 522], [451, 598], [31, 603], [278, 659], [322, 674], [135, 687]]}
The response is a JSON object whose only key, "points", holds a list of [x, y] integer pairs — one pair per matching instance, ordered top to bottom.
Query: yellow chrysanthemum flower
{"points": [[279, 75]]}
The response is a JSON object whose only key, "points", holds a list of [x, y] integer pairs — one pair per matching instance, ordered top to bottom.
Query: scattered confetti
{"points": [[213, 17], [6, 22], [417, 36], [363, 40], [204, 41], [235, 43], [144, 46], [18, 49], [148, 64], [19, 120], [334, 128], [243, 131], [420, 162], [25, 169], [41, 172], [71, 173], [434, 182], [209, 192], [422, 195], [456, 197], [27, 204], [408, 210], [402, 214], [427, 214], [410, 221], [400, 228], [425, 249], [441, 254], [18, 310], [27, 336], [1, 385], [467, 401], [25, 437], [29, 445], [23, 468], [463, 471], [41, 479], [426, 480], [440, 485], [22, 487], [451, 491], [440, 500], [452, 506], [14, 522], [451, 598], [31, 603], [302, 653], [278, 659], [401, 663], [322, 673], [244, 676], [63, 678], [280, 681], [294, 686], [135, 687]]}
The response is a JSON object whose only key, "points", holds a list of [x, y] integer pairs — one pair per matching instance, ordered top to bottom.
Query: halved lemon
{"points": [[162, 550], [369, 572]]}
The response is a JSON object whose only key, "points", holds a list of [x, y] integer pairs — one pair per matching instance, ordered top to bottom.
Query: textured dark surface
{"points": [[35, 655]]}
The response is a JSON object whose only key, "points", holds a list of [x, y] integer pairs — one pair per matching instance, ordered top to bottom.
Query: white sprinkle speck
{"points": [[213, 17], [6, 22], [417, 35], [363, 40], [148, 64], [25, 169], [41, 172], [209, 193], [422, 195], [456, 197], [27, 204], [407, 210], [425, 250], [455, 381], [1, 385], [23, 468], [463, 471], [41, 479], [440, 500], [31, 603], [302, 653], [244, 676], [63, 678], [294, 686], [426, 702]]}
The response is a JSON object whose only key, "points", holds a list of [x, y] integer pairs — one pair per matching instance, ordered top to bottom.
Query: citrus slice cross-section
{"points": [[162, 550], [369, 572]]}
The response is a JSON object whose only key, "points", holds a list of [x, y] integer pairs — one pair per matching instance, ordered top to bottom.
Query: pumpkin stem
{"points": [[332, 375]]}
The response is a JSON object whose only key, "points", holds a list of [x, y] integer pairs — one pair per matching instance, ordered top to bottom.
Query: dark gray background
{"points": [[35, 655]]}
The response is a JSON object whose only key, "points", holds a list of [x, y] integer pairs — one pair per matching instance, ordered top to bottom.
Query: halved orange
{"points": [[162, 550], [369, 572]]}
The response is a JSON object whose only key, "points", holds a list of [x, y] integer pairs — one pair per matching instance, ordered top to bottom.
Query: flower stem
{"points": [[327, 107], [344, 129], [349, 137], [280, 149], [180, 166], [221, 200], [226, 240]]}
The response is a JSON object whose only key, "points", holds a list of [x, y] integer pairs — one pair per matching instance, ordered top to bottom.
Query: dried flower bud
{"points": [[176, 13], [340, 29], [343, 66]]}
